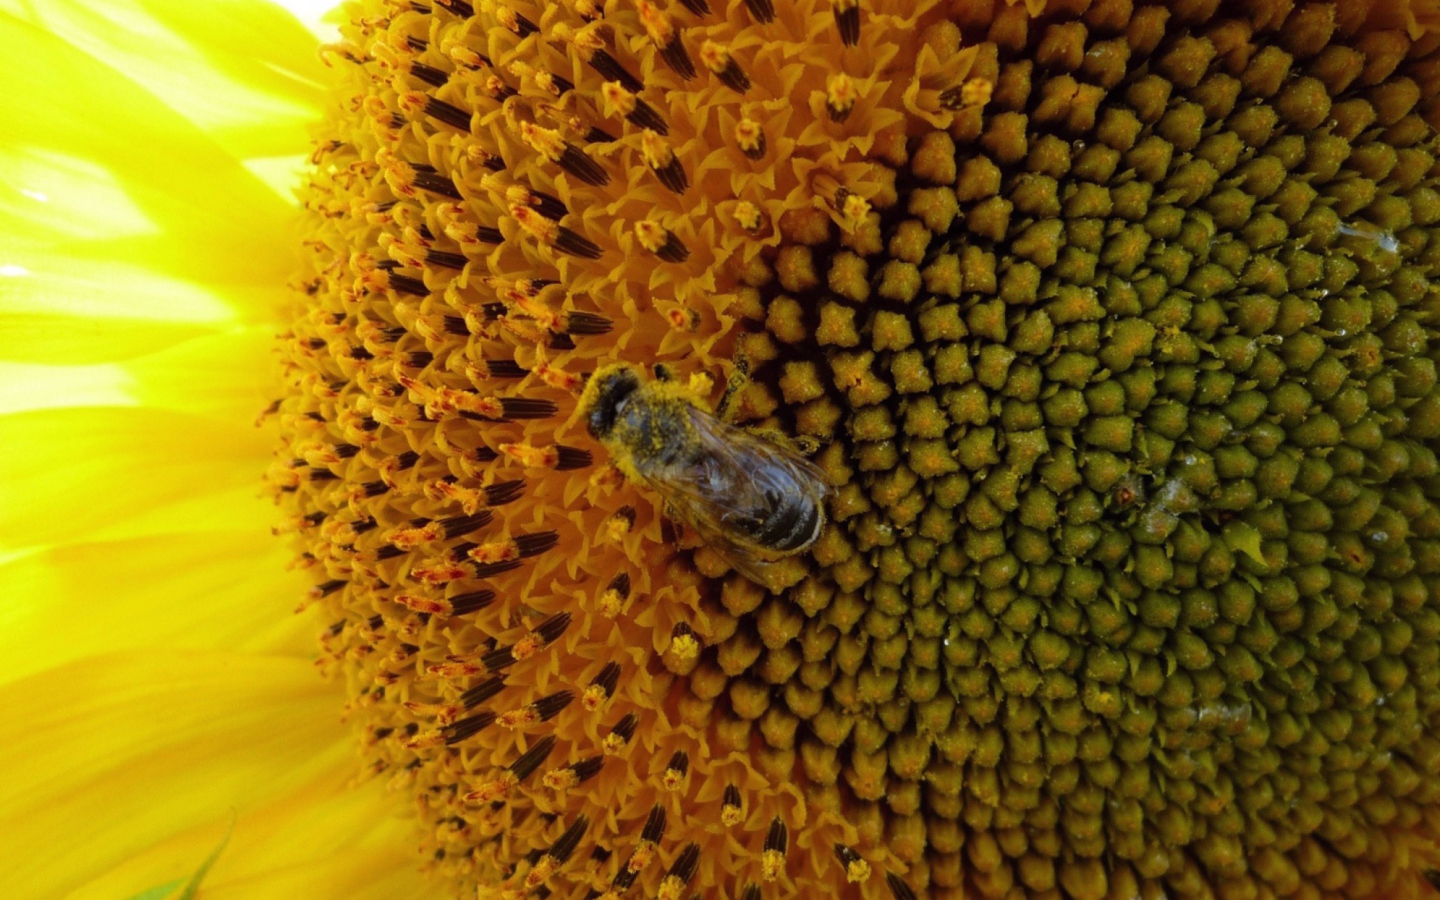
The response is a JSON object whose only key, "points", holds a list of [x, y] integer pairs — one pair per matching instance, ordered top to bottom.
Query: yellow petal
{"points": [[244, 73], [193, 211], [70, 473], [215, 590], [122, 751]]}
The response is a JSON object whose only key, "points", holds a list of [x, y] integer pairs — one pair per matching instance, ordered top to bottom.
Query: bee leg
{"points": [[737, 380]]}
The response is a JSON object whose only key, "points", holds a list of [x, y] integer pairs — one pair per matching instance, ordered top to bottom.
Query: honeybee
{"points": [[751, 500]]}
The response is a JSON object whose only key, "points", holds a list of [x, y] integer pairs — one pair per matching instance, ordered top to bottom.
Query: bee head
{"points": [[608, 390]]}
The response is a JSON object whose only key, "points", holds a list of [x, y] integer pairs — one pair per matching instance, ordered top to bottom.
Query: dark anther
{"points": [[762, 10], [428, 74], [436, 183], [574, 244], [445, 260], [404, 284], [586, 323], [505, 368], [527, 408], [570, 458], [466, 524], [474, 601], [482, 691], [467, 728], [561, 849]]}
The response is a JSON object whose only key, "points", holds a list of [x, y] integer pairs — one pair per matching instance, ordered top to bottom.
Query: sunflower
{"points": [[1110, 325], [154, 687]]}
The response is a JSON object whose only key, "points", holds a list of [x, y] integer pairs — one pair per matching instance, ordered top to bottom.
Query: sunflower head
{"points": [[1112, 327]]}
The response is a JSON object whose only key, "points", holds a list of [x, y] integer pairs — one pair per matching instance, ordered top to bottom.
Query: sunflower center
{"points": [[1115, 328]]}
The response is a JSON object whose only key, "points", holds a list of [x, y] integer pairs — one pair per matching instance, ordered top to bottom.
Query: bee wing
{"points": [[737, 476]]}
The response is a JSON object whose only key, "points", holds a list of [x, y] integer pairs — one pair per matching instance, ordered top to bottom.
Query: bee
{"points": [[751, 500]]}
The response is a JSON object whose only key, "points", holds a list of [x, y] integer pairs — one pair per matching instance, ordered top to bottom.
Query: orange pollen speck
{"points": [[656, 23], [715, 57], [840, 94], [618, 101], [749, 135], [544, 141], [655, 150], [543, 229], [652, 235], [683, 319], [558, 378], [532, 457], [410, 538], [495, 551], [439, 571], [424, 604], [527, 646], [455, 670], [593, 697], [516, 718], [425, 739], [492, 790], [642, 857], [542, 871]]}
